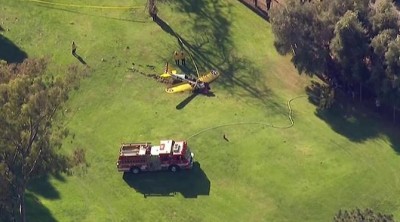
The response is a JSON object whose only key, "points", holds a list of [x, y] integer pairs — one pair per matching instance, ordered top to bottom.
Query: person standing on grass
{"points": [[73, 48], [176, 57], [183, 59], [225, 137]]}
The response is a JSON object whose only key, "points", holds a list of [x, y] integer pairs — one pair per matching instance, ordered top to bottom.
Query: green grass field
{"points": [[328, 161]]}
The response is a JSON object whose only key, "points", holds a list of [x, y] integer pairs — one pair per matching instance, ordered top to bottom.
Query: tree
{"points": [[150, 5], [152, 9], [384, 17], [305, 30], [299, 32], [347, 43], [379, 45], [351, 57], [392, 61], [391, 86], [29, 140], [361, 215]]}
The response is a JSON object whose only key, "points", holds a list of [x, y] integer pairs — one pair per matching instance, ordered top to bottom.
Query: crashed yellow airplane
{"points": [[199, 84]]}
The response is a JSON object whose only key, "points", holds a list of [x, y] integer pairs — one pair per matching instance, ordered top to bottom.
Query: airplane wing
{"points": [[168, 70], [210, 77], [180, 87]]}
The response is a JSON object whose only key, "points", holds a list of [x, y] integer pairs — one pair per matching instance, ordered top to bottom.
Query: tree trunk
{"points": [[268, 4], [360, 92], [394, 114], [21, 203]]}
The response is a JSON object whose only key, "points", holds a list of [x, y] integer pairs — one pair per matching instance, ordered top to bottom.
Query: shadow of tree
{"points": [[192, 6], [259, 11], [165, 27], [212, 48], [10, 52], [224, 58], [356, 122], [351, 123], [393, 134], [190, 183], [43, 187], [35, 211]]}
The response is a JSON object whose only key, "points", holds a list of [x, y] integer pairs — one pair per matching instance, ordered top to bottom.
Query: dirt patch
{"points": [[157, 77]]}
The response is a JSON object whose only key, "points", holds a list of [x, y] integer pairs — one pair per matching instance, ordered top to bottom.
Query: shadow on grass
{"points": [[260, 12], [165, 27], [212, 47], [10, 52], [80, 59], [186, 101], [354, 121], [354, 124], [358, 124], [190, 183], [43, 187], [35, 211]]}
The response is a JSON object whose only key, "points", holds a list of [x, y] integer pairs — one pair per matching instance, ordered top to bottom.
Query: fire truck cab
{"points": [[169, 155]]}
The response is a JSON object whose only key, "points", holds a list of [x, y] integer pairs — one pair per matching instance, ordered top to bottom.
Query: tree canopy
{"points": [[350, 43], [29, 139]]}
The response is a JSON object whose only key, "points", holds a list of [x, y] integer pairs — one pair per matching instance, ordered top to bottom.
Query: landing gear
{"points": [[202, 88]]}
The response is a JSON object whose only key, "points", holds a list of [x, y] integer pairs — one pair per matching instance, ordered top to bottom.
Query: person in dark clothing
{"points": [[73, 48], [176, 58], [183, 59], [225, 137]]}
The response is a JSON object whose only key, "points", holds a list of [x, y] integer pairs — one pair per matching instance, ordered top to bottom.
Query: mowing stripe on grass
{"points": [[86, 6]]}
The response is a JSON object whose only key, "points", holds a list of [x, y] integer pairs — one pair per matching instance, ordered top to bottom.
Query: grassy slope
{"points": [[305, 173]]}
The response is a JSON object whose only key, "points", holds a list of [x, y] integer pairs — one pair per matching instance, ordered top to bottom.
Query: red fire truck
{"points": [[169, 155]]}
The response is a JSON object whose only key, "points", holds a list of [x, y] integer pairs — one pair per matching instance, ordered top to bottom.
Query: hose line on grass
{"points": [[85, 6], [290, 113]]}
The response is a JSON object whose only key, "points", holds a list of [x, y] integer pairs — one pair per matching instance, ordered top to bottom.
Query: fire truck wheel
{"points": [[173, 168], [135, 170]]}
